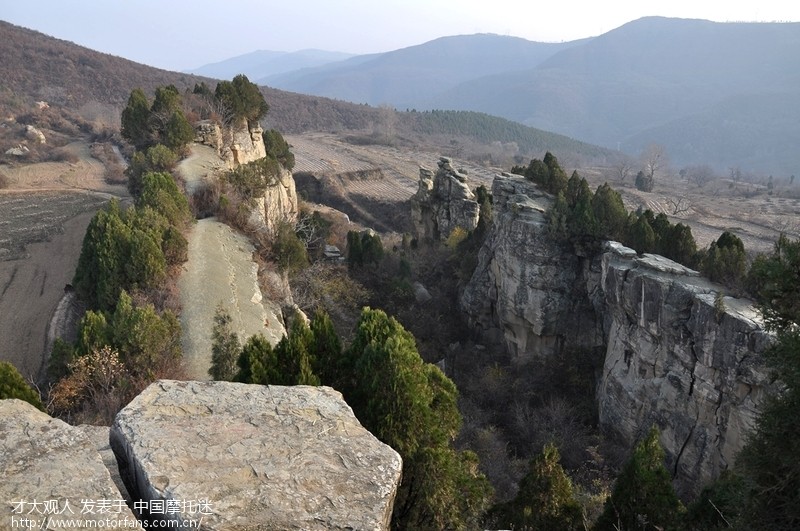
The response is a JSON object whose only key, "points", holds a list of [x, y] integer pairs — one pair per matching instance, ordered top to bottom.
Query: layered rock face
{"points": [[242, 143], [238, 144], [443, 202], [278, 204], [527, 290], [670, 357], [676, 361], [264, 457], [52, 472]]}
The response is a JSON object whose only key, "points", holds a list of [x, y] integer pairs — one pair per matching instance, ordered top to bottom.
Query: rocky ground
{"points": [[221, 272]]}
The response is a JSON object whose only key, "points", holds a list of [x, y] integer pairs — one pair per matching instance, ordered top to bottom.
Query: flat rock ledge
{"points": [[252, 457], [51, 472]]}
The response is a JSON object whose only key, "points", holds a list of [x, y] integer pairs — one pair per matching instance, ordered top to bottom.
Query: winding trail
{"points": [[220, 271]]}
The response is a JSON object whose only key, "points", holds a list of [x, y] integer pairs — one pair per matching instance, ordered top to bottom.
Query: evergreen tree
{"points": [[242, 98], [136, 120], [178, 132], [278, 148], [158, 158], [538, 172], [557, 178], [644, 182], [577, 187], [609, 212], [558, 216], [641, 236], [680, 245], [371, 247], [355, 252], [726, 261], [224, 347], [327, 348], [294, 356], [257, 362], [13, 385], [412, 407], [770, 461], [643, 497], [545, 499]]}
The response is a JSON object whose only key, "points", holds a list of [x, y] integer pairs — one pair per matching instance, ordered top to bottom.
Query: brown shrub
{"points": [[4, 181], [205, 201]]}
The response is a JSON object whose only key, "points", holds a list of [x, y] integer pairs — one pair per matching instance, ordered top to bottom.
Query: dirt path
{"points": [[196, 168], [220, 271]]}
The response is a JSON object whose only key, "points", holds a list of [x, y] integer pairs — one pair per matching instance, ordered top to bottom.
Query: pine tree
{"points": [[224, 347], [770, 461], [643, 497], [545, 499]]}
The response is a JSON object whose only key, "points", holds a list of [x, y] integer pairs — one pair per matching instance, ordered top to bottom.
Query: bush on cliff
{"points": [[13, 385]]}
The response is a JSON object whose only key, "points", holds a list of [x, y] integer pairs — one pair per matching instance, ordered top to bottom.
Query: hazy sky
{"points": [[180, 34]]}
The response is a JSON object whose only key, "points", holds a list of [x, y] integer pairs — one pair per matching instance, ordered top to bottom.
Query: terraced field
{"points": [[369, 183]]}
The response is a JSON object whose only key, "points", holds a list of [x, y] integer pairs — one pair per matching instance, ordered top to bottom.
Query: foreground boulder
{"points": [[255, 457], [51, 471]]}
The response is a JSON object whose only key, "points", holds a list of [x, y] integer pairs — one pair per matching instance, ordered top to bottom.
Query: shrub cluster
{"points": [[408, 404]]}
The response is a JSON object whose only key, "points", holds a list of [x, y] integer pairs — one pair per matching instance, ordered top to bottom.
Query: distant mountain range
{"points": [[264, 63], [86, 84], [724, 94]]}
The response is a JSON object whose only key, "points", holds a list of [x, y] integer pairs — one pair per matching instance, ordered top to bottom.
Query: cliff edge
{"points": [[670, 356]]}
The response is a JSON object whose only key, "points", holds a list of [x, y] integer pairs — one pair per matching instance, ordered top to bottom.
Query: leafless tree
{"points": [[654, 160], [623, 170], [735, 173], [699, 174], [678, 205]]}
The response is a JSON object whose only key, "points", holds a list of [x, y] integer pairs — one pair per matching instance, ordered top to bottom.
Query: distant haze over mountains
{"points": [[263, 63], [724, 94]]}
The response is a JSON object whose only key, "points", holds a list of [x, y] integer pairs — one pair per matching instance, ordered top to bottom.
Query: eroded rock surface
{"points": [[443, 202], [221, 272], [670, 357], [265, 457], [46, 460]]}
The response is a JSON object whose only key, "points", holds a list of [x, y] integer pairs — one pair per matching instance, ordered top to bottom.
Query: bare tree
{"points": [[654, 160], [623, 170], [735, 173], [699, 174], [678, 205]]}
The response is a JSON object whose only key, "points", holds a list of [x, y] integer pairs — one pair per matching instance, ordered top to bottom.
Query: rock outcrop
{"points": [[237, 144], [443, 202], [278, 204], [670, 357], [264, 457], [53, 472]]}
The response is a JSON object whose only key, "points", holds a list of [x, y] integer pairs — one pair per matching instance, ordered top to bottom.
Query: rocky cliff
{"points": [[241, 143], [443, 202], [670, 358], [218, 454]]}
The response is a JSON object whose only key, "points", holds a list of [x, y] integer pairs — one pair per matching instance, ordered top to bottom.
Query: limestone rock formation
{"points": [[239, 143], [443, 202], [278, 204], [526, 290], [669, 358], [673, 361], [264, 457], [46, 460]]}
